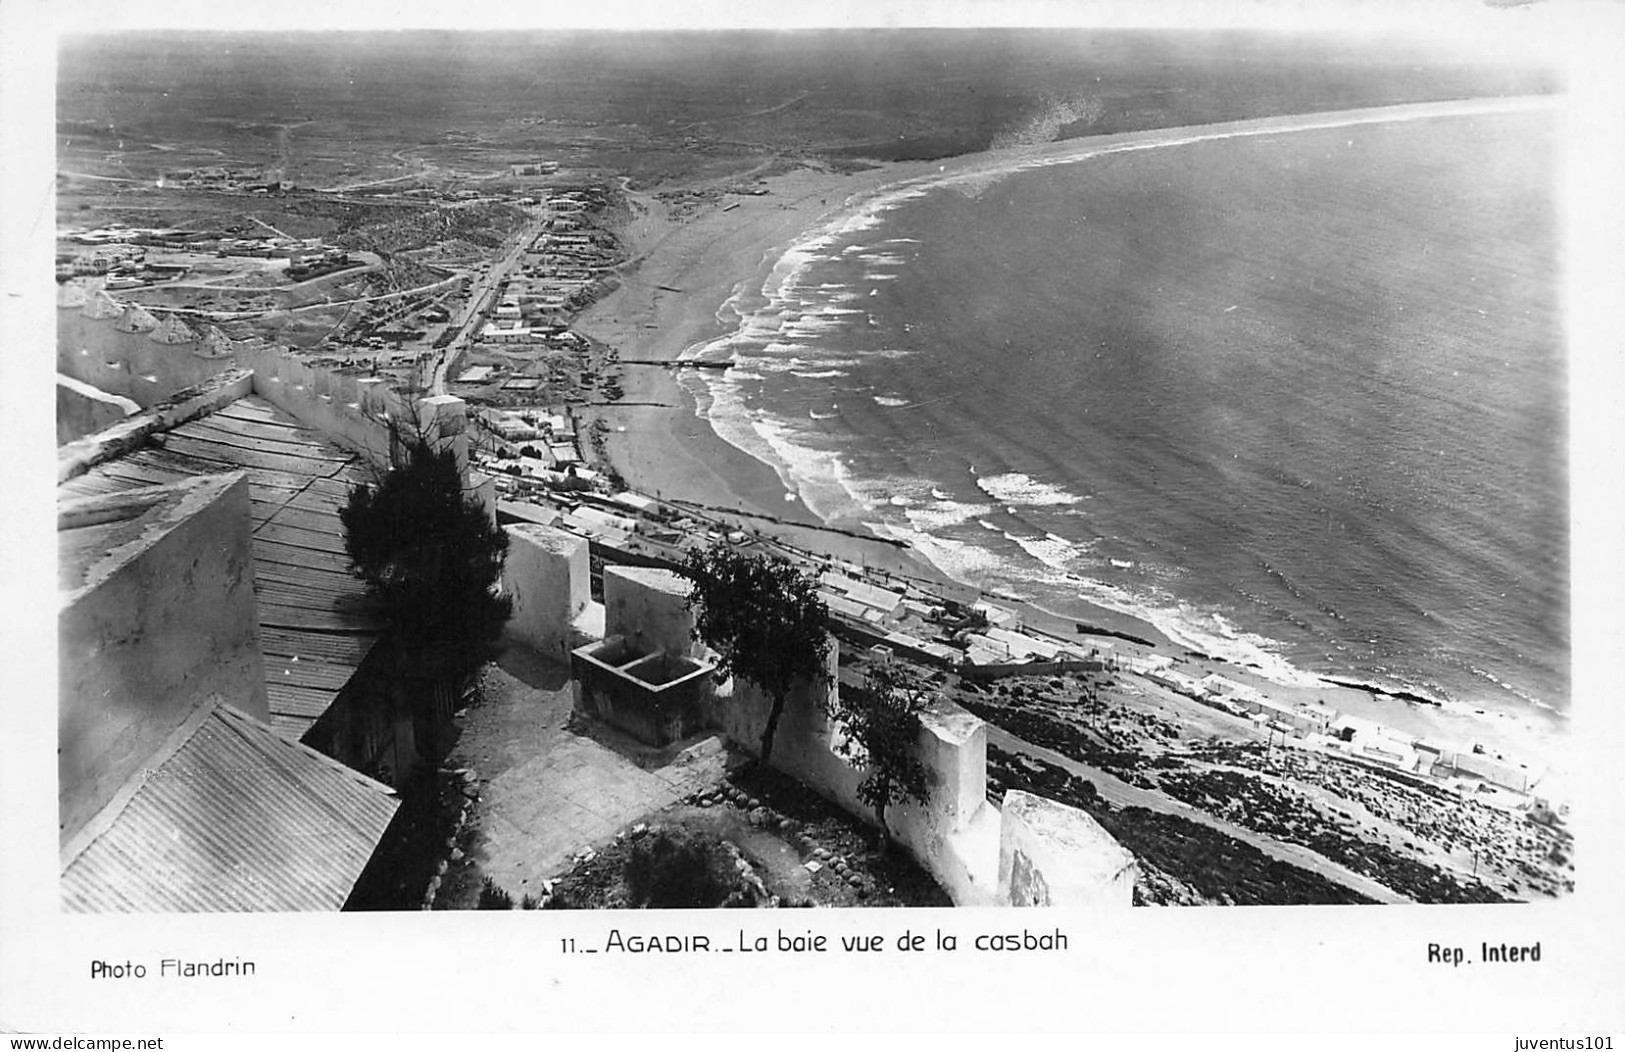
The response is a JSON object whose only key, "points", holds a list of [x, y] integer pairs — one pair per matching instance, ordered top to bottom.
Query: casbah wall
{"points": [[96, 346], [83, 410], [131, 433], [156, 625], [954, 834]]}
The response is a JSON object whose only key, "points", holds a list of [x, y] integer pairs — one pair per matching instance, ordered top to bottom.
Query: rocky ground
{"points": [[1407, 834], [783, 845]]}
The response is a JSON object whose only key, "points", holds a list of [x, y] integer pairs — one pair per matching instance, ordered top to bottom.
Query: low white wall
{"points": [[546, 572], [649, 606], [953, 835]]}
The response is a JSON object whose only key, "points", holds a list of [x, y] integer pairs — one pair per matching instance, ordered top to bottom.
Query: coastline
{"points": [[656, 439], [660, 445], [663, 446]]}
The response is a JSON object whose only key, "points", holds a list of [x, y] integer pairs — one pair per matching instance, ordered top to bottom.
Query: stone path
{"points": [[552, 784]]}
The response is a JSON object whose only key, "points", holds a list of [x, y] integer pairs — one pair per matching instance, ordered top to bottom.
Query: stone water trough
{"points": [[656, 696]]}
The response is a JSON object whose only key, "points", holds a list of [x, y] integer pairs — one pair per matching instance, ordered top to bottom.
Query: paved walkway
{"points": [[552, 783]]}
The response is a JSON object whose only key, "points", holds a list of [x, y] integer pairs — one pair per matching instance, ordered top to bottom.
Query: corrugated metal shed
{"points": [[312, 630], [236, 818]]}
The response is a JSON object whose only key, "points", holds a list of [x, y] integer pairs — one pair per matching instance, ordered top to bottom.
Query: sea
{"points": [[1297, 399]]}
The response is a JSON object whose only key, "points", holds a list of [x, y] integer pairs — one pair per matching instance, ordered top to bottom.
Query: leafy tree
{"points": [[430, 558], [764, 617], [880, 727]]}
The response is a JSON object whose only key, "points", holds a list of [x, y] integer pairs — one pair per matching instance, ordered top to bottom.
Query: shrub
{"points": [[880, 725], [667, 870], [493, 897]]}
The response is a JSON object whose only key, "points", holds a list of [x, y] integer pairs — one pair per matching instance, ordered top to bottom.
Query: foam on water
{"points": [[1014, 487], [943, 514], [960, 560], [1062, 568]]}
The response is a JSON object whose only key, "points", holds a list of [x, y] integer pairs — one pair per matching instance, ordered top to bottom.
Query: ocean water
{"points": [[1297, 399]]}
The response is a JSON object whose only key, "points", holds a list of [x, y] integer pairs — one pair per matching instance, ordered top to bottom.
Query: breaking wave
{"points": [[1017, 488]]}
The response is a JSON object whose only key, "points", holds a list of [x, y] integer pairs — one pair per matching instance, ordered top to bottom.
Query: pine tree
{"points": [[430, 557]]}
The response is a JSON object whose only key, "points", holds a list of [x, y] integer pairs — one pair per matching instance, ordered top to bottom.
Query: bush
{"points": [[880, 725], [666, 870], [493, 897]]}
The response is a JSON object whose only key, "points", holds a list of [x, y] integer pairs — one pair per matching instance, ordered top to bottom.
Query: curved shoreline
{"points": [[772, 230], [712, 470]]}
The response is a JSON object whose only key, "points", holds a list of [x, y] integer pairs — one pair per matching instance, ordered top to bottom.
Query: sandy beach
{"points": [[681, 273], [656, 440], [657, 443]]}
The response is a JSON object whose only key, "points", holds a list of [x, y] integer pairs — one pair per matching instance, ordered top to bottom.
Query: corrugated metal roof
{"points": [[309, 604], [840, 604], [238, 818]]}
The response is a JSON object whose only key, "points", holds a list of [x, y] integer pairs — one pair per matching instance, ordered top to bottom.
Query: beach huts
{"points": [[859, 600], [1178, 682], [1494, 770]]}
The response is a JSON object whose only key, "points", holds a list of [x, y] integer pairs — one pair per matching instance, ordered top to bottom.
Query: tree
{"points": [[430, 557], [765, 619], [880, 727]]}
